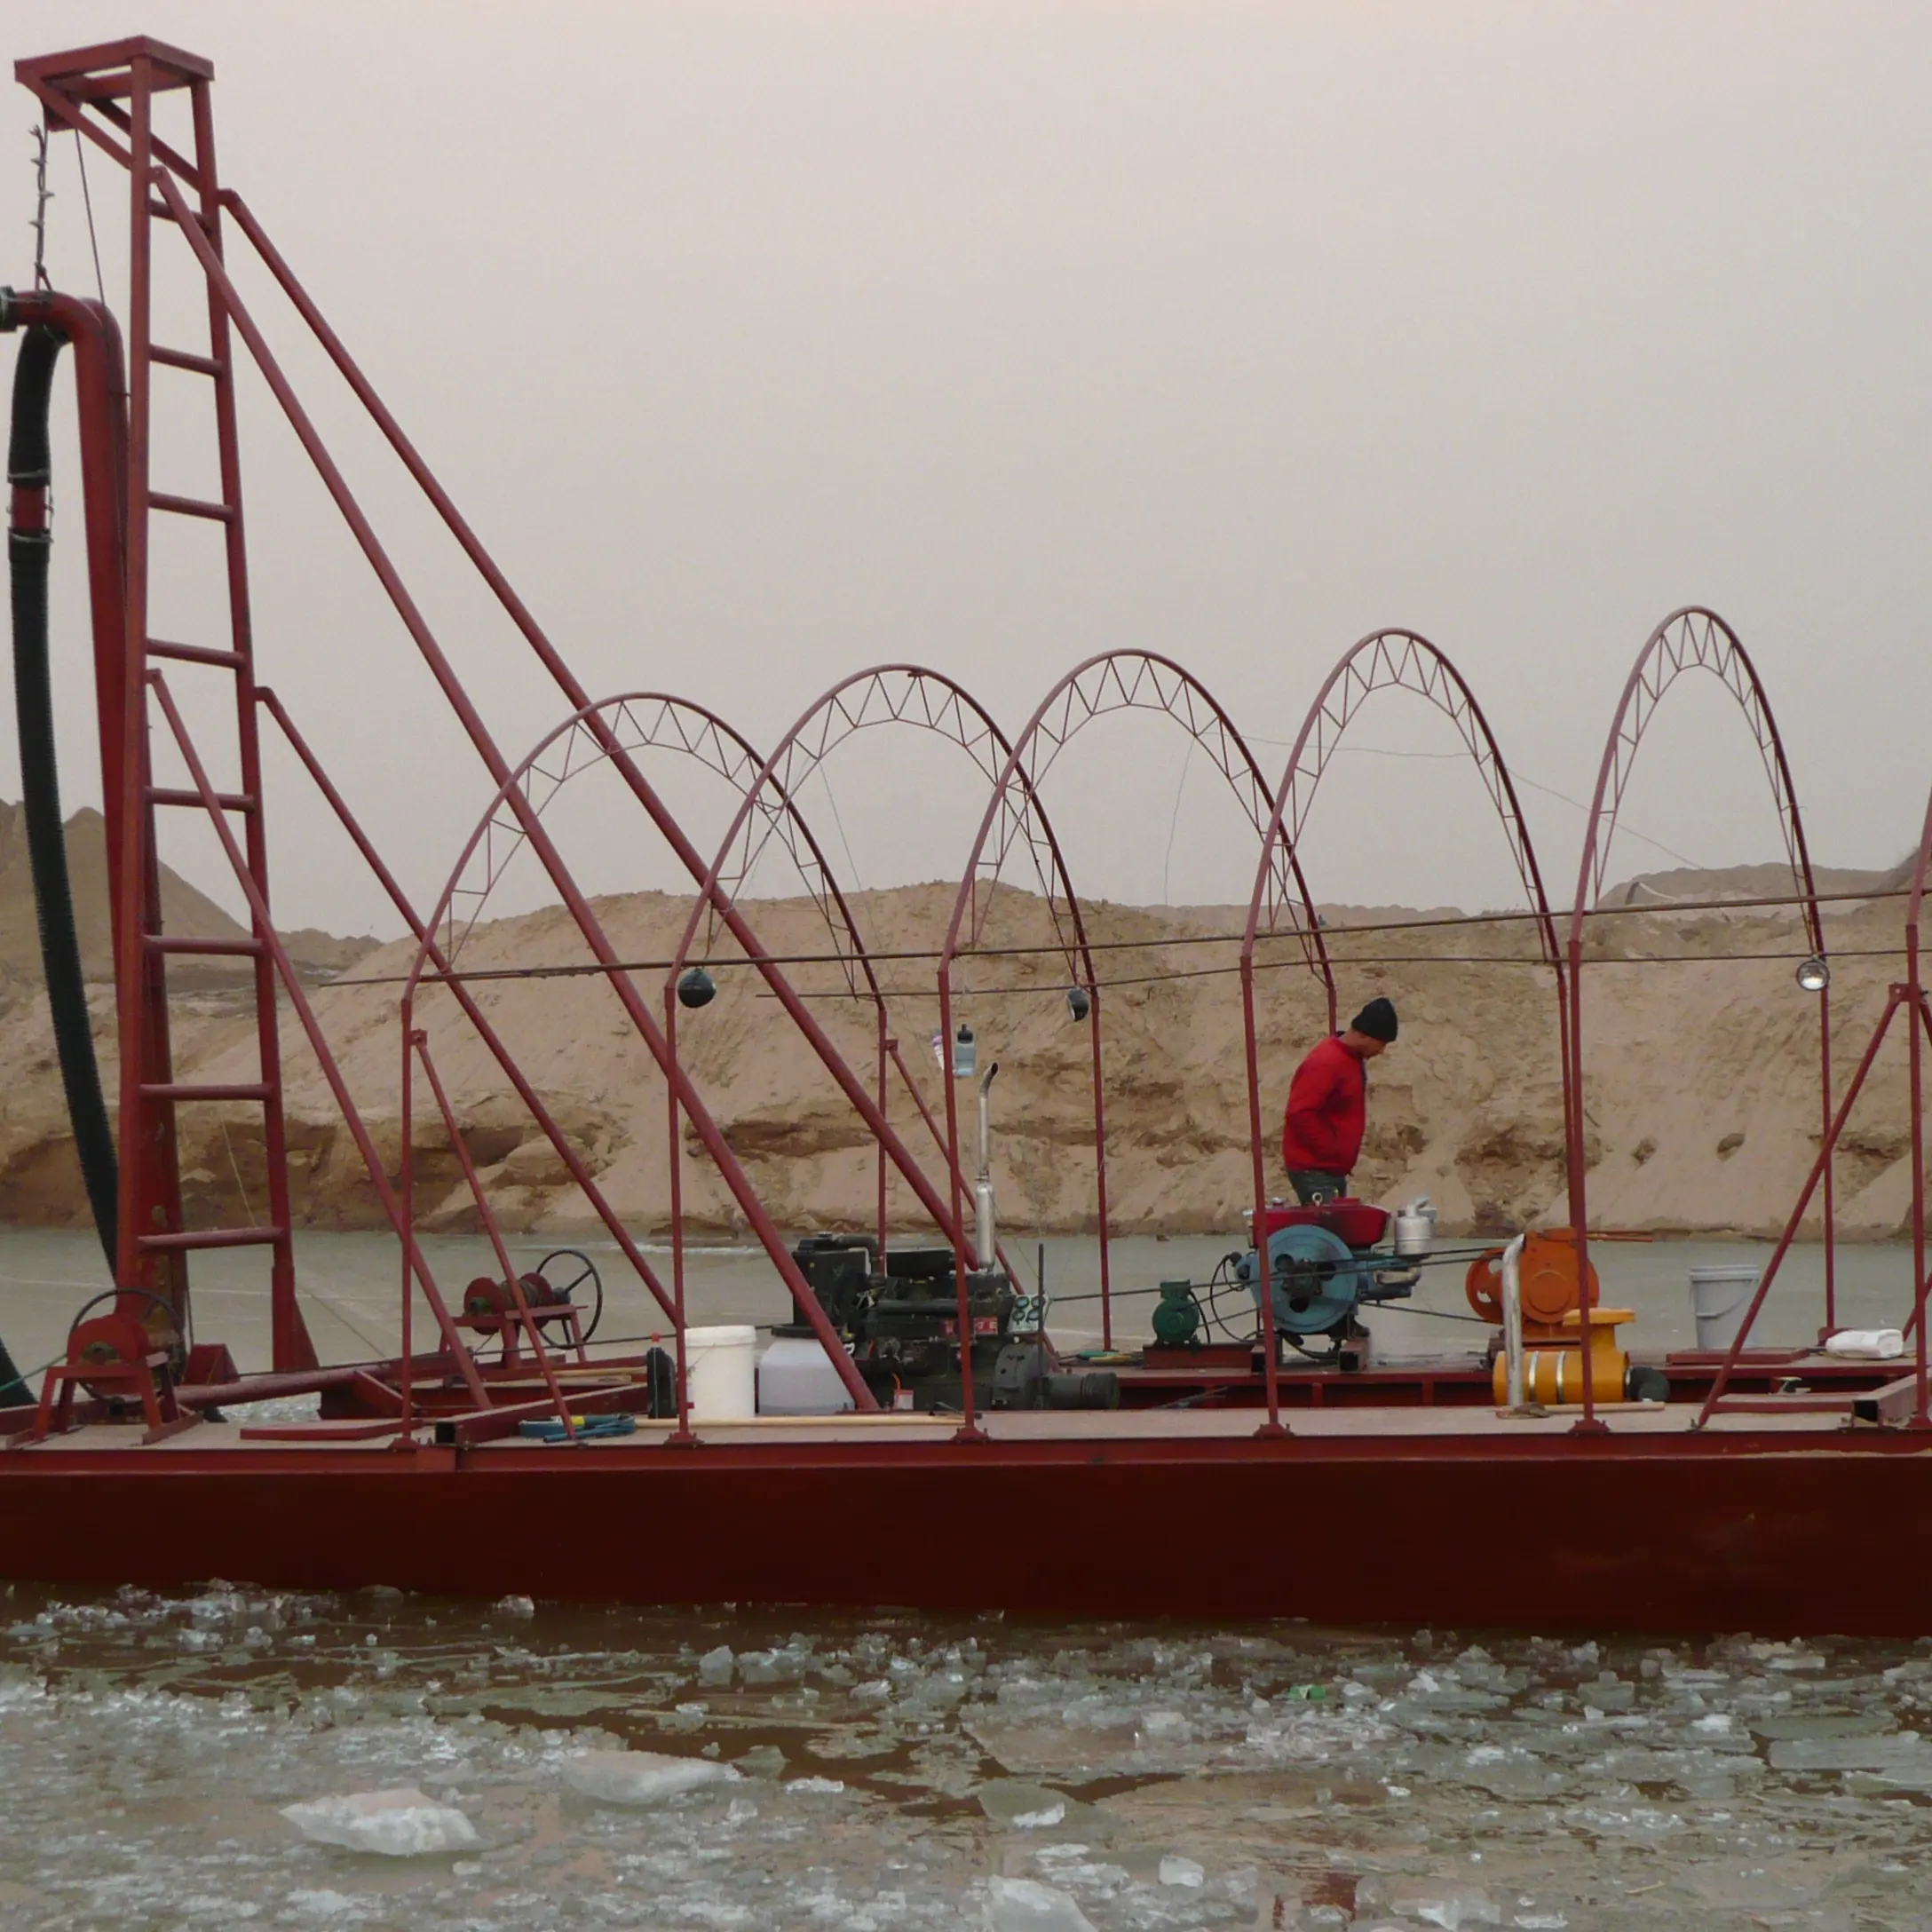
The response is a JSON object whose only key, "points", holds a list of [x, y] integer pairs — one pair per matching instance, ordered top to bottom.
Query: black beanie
{"points": [[1377, 1019]]}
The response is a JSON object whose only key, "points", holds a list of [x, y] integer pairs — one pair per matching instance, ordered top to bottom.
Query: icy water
{"points": [[897, 1771]]}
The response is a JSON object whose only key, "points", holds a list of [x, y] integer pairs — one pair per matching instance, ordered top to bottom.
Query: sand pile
{"points": [[1704, 1107]]}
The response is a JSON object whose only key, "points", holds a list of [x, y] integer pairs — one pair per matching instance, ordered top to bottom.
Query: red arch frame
{"points": [[1693, 637], [1383, 661], [1110, 681], [896, 693], [594, 721]]}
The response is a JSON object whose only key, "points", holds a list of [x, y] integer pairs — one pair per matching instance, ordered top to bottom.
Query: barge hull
{"points": [[1779, 1532]]}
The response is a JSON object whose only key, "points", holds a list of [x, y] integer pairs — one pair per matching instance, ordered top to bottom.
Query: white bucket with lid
{"points": [[1720, 1300], [721, 1373]]}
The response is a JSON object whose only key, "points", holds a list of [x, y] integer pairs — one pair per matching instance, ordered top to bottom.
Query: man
{"points": [[1329, 1105]]}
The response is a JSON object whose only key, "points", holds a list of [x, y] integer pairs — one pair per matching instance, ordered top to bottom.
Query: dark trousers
{"points": [[1311, 1187]]}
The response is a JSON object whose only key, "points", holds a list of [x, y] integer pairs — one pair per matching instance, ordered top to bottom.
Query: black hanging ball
{"points": [[697, 988], [1077, 1003]]}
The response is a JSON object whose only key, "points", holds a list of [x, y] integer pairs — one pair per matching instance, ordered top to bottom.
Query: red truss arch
{"points": [[1692, 638], [1383, 661], [1398, 661], [1114, 681], [1121, 681], [901, 694], [907, 694], [640, 720], [612, 730]]}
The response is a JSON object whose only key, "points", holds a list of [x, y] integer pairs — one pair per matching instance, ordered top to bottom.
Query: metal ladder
{"points": [[121, 81]]}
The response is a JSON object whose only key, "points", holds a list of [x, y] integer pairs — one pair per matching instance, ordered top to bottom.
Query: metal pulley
{"points": [[1548, 1272], [1318, 1279]]}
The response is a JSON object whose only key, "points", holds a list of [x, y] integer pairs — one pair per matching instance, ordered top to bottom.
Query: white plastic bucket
{"points": [[1720, 1300], [721, 1373], [796, 1377]]}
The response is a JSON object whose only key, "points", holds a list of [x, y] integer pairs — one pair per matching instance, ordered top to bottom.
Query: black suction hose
{"points": [[29, 469]]}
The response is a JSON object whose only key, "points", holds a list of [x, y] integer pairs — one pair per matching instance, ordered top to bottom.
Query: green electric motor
{"points": [[1177, 1317]]}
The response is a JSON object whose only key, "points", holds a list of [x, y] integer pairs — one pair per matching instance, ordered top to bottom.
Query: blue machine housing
{"points": [[1319, 1280]]}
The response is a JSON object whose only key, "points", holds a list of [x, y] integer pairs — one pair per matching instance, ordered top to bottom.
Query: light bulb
{"points": [[1814, 975]]}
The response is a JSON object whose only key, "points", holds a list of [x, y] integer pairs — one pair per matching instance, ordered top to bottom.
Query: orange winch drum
{"points": [[1548, 1275]]}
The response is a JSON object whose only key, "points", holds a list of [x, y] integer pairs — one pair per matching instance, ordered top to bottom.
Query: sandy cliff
{"points": [[1703, 1106]]}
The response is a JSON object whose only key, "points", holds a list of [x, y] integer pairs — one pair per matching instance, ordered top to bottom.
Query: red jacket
{"points": [[1327, 1109]]}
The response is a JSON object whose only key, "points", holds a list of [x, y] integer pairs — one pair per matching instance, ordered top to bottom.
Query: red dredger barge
{"points": [[1778, 1491]]}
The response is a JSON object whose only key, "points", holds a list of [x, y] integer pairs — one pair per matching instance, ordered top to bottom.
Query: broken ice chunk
{"points": [[714, 1666], [1902, 1749], [640, 1777], [1021, 1806], [399, 1823], [1182, 1872], [1026, 1905], [1454, 1909]]}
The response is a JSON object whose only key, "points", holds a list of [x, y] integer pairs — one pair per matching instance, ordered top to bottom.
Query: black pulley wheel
{"points": [[566, 1290]]}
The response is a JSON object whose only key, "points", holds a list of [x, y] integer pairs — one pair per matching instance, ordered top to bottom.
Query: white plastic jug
{"points": [[1867, 1345]]}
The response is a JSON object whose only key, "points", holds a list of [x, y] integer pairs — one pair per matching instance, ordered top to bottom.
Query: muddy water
{"points": [[892, 1771]]}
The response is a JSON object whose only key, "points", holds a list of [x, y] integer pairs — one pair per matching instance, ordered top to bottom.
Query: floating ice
{"points": [[514, 1606], [782, 1665], [714, 1666], [1901, 1749], [640, 1777], [824, 1787], [1021, 1806], [399, 1823], [1182, 1872], [323, 1904], [1026, 1905], [1453, 1909]]}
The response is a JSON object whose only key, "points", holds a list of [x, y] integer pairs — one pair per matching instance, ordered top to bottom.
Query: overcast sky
{"points": [[765, 342]]}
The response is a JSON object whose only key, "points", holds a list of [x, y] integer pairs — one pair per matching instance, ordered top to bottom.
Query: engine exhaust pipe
{"points": [[984, 1234]]}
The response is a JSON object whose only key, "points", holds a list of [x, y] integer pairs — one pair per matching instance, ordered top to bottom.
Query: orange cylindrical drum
{"points": [[1554, 1377]]}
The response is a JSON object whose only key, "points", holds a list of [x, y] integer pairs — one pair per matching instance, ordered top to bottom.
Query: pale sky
{"points": [[763, 342]]}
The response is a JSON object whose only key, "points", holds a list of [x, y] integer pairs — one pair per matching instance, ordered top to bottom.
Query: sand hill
{"points": [[183, 908], [1703, 1108]]}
